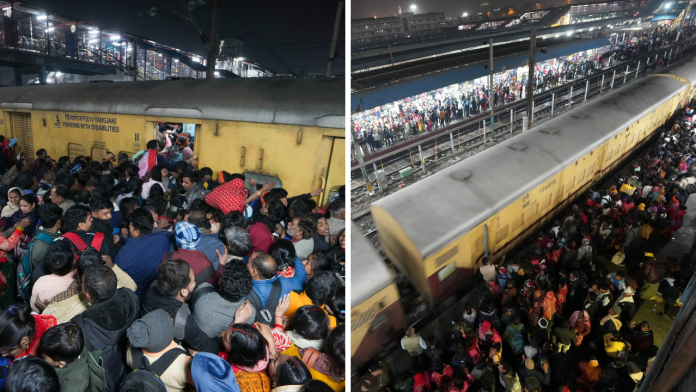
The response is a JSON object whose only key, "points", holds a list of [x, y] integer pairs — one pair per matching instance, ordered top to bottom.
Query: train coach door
{"points": [[22, 131], [335, 173]]}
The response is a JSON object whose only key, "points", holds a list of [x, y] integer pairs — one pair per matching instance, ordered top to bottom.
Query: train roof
{"points": [[686, 70], [304, 102], [440, 208], [369, 274]]}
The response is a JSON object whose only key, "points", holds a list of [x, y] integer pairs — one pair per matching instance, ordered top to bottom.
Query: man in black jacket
{"points": [[100, 206], [78, 219], [174, 285], [105, 322]]}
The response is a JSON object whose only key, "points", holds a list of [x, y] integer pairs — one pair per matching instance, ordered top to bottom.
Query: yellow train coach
{"points": [[291, 129], [437, 230]]}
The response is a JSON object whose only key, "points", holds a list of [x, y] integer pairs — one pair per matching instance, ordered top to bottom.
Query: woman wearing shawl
{"points": [[148, 160], [13, 196], [561, 295], [549, 305], [580, 324], [589, 374]]}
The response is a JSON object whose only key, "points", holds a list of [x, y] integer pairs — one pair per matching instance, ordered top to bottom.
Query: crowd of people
{"points": [[436, 109], [146, 274], [555, 317]]}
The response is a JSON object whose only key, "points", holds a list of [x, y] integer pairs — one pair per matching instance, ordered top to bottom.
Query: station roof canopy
{"points": [[389, 93]]}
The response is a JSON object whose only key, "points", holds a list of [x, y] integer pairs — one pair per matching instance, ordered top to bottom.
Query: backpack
{"points": [[81, 245], [24, 268], [202, 276], [265, 314], [517, 340], [4, 368], [146, 376], [516, 385]]}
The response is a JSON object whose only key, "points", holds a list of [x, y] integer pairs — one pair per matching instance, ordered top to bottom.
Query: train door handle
{"points": [[261, 159], [241, 162]]}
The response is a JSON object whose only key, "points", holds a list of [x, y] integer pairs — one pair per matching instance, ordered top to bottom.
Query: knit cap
{"points": [[187, 236], [153, 332]]}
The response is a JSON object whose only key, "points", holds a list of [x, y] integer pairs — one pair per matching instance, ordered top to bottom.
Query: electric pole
{"points": [[337, 25], [213, 39]]}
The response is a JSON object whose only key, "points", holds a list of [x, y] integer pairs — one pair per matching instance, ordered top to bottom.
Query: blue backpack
{"points": [[24, 268], [517, 339]]}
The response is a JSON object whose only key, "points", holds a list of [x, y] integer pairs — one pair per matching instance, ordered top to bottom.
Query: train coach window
{"points": [[75, 150], [98, 153], [570, 185], [559, 194], [546, 202], [518, 223], [501, 234], [478, 248], [445, 272], [379, 321]]}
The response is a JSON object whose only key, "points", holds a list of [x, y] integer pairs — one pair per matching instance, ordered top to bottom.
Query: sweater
{"points": [[141, 256], [198, 263], [217, 312]]}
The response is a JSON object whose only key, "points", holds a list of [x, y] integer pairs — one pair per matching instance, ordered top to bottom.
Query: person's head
{"points": [[153, 145], [42, 153], [156, 174], [189, 180], [13, 196], [27, 203], [128, 205], [100, 207], [299, 208], [338, 208], [51, 216], [198, 217], [77, 218], [234, 219], [141, 223], [322, 225], [301, 228], [187, 236], [238, 241], [283, 252], [60, 258], [317, 262], [261, 266], [619, 275], [175, 279], [235, 282], [98, 283], [321, 287], [337, 304], [311, 322], [645, 326], [18, 330], [153, 332], [62, 344], [245, 345], [335, 346], [504, 367], [286, 370], [32, 374], [318, 386]]}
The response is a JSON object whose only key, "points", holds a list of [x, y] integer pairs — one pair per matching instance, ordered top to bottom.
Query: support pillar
{"points": [[637, 69], [42, 74], [626, 74], [18, 77], [612, 80], [601, 87], [587, 88], [570, 96], [553, 102], [452, 142], [420, 154]]}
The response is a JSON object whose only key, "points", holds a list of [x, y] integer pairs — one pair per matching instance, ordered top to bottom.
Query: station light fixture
{"points": [[668, 6], [465, 14], [41, 17], [50, 29], [569, 33], [115, 37], [93, 40], [176, 60], [58, 73]]}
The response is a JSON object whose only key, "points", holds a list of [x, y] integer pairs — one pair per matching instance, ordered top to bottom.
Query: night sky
{"points": [[371, 8], [299, 33]]}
